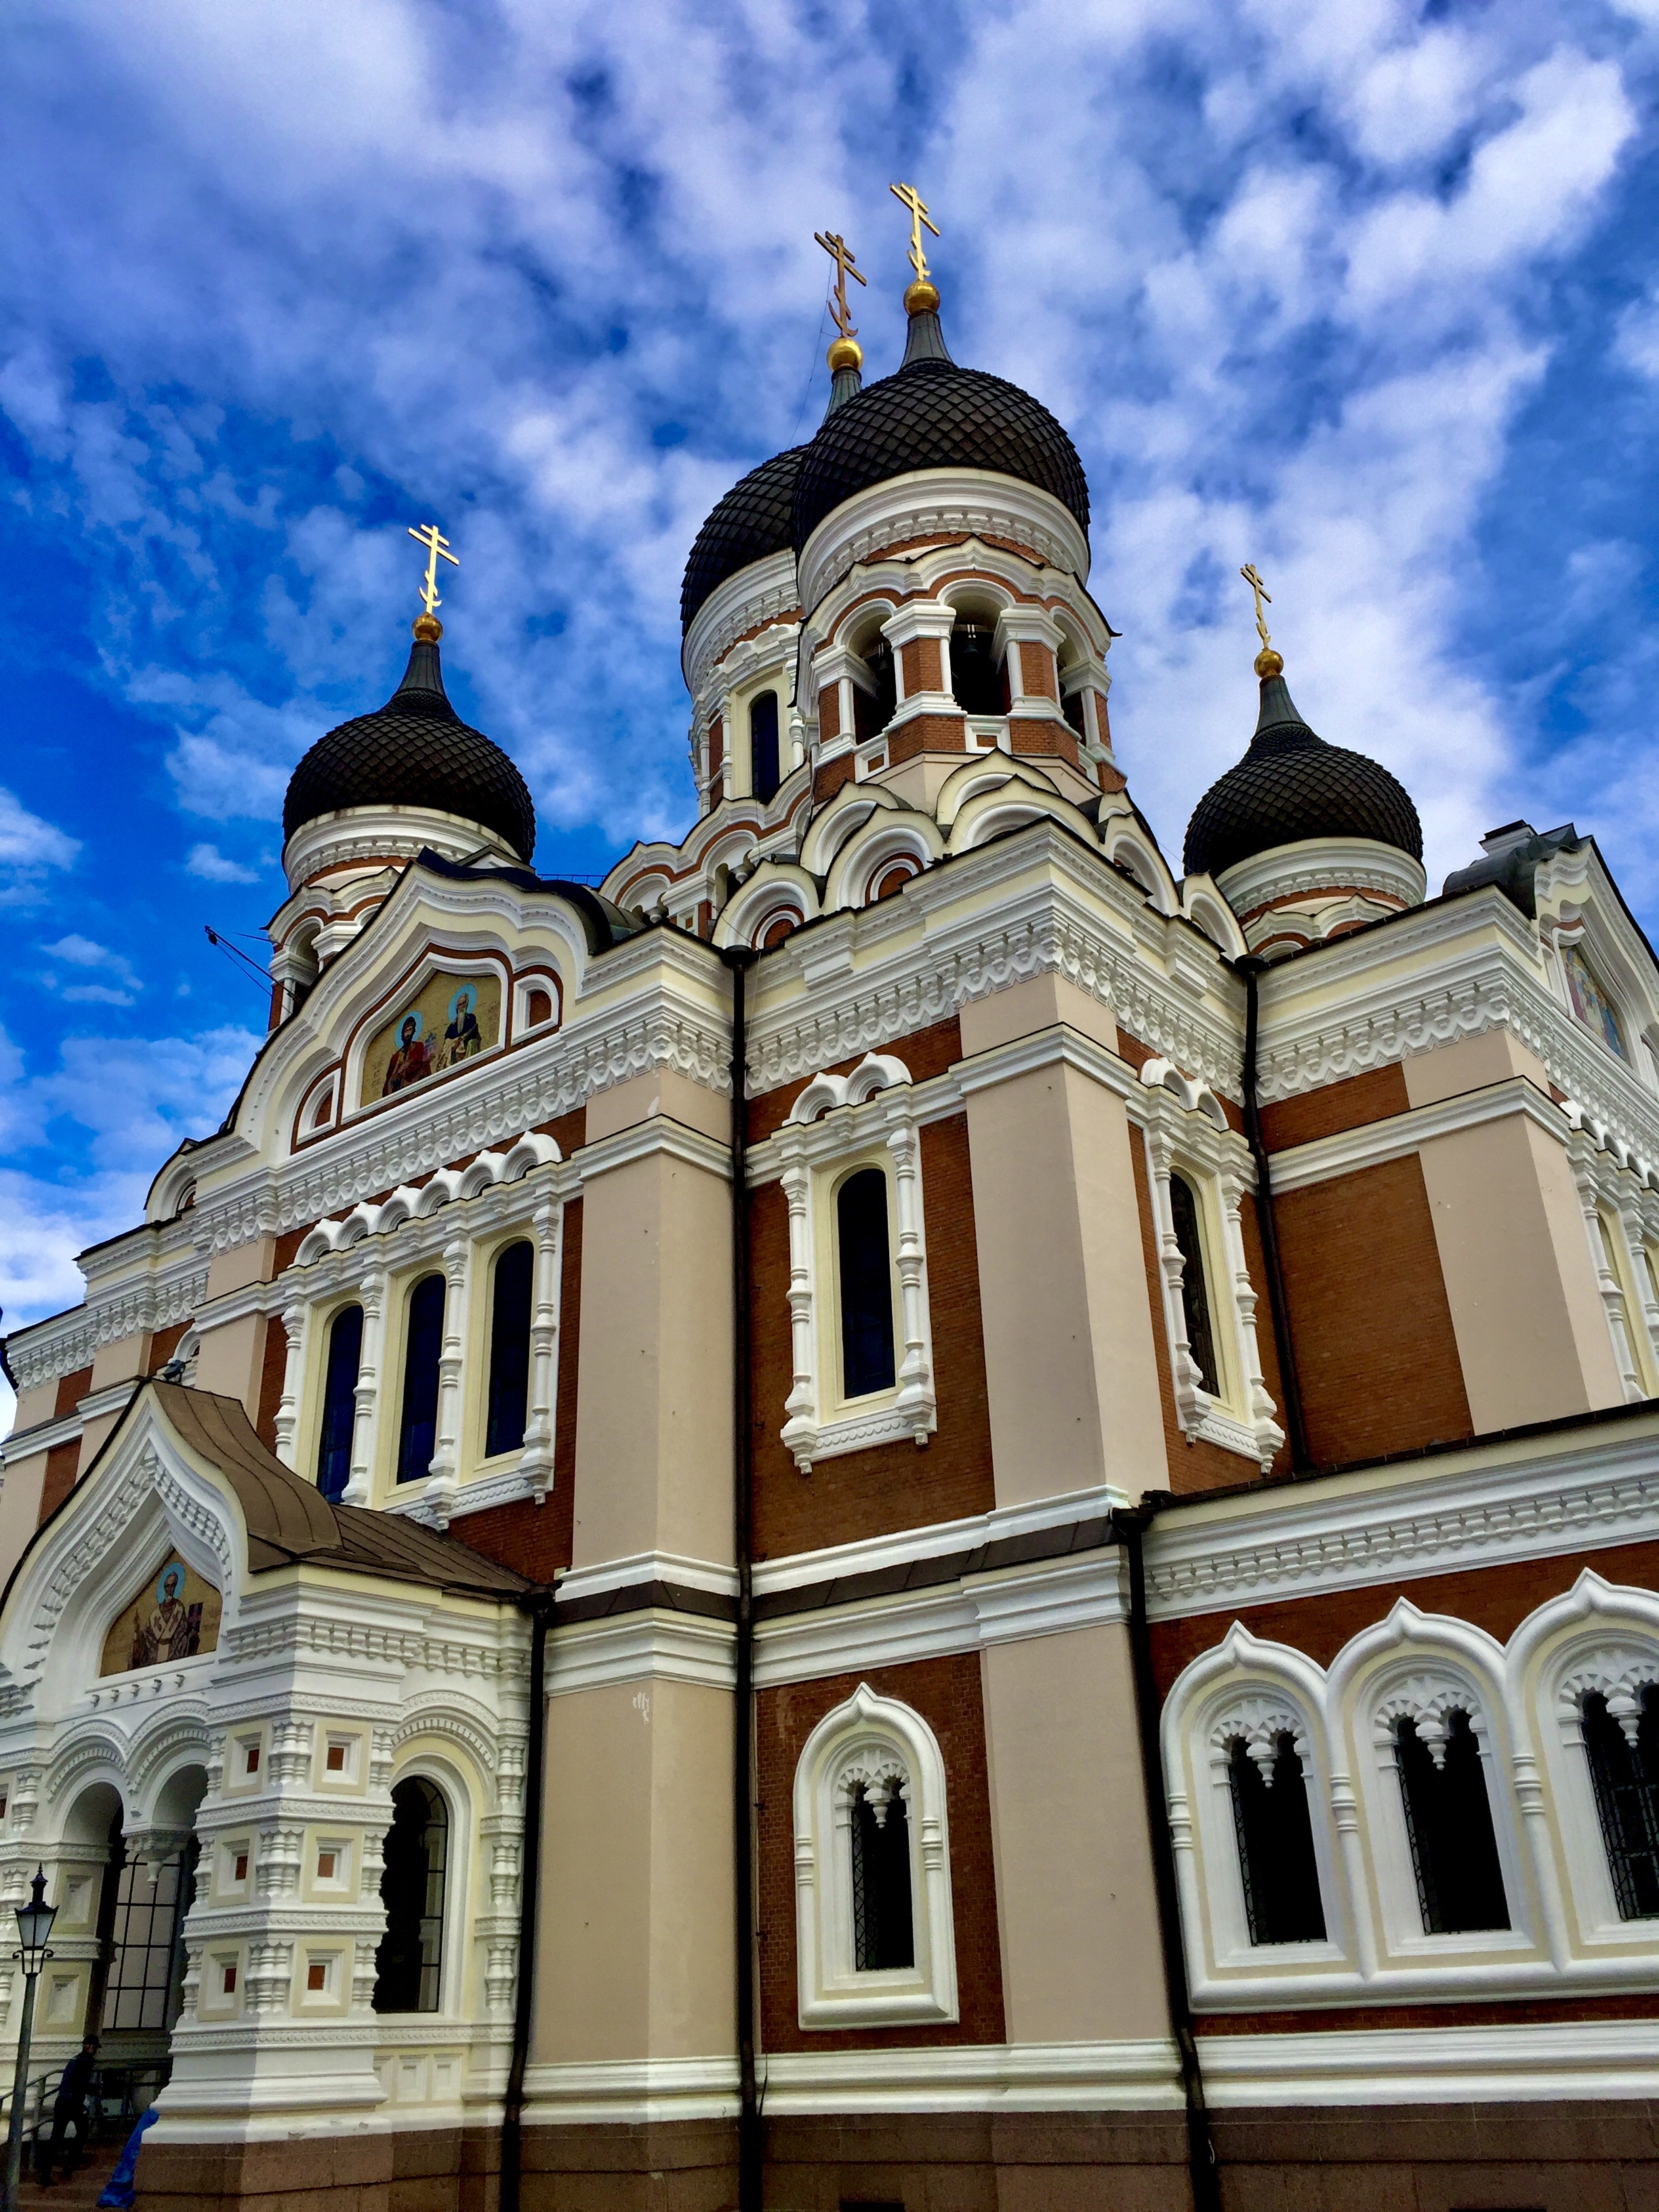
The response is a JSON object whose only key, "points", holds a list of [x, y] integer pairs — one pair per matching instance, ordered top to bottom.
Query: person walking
{"points": [[68, 2110]]}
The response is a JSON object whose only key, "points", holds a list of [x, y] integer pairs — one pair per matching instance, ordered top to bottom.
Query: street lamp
{"points": [[34, 1922]]}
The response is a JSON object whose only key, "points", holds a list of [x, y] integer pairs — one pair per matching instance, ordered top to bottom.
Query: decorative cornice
{"points": [[941, 503], [754, 598], [1321, 864], [59, 1345], [1453, 1510], [642, 1647], [1508, 2061], [1091, 2077]]}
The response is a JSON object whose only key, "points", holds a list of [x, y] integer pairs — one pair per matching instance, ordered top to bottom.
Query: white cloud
{"points": [[30, 850], [215, 867], [118, 983]]}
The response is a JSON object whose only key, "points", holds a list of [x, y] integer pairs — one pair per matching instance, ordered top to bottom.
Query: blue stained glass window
{"points": [[866, 1285], [345, 1346], [509, 1347], [417, 1429]]}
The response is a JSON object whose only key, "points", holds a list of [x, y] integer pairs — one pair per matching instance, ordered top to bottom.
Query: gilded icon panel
{"points": [[449, 1021], [174, 1614]]}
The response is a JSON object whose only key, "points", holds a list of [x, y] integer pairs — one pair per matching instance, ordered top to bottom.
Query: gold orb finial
{"points": [[921, 298], [845, 353], [428, 630]]}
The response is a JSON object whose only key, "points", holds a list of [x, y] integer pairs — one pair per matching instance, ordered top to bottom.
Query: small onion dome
{"points": [[930, 414], [751, 521], [414, 751], [1291, 785]]}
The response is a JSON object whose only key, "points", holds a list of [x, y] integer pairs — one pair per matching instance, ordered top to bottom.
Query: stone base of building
{"points": [[1564, 2157]]}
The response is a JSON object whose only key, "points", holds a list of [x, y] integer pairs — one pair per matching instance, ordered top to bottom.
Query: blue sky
{"points": [[1366, 292]]}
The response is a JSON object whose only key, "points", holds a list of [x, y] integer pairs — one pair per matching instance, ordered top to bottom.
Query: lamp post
{"points": [[34, 1922]]}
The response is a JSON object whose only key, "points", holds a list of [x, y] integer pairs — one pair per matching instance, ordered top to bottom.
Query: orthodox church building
{"points": [[919, 1508]]}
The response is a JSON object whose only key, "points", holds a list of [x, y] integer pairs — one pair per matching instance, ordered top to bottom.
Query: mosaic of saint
{"points": [[1590, 1002], [452, 1021], [174, 1616]]}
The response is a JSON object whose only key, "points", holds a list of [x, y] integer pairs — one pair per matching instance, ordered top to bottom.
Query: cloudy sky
{"points": [[1367, 292]]}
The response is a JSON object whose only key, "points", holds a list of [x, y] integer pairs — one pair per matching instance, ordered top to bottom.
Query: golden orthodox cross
{"points": [[911, 199], [841, 254], [437, 549], [1248, 574]]}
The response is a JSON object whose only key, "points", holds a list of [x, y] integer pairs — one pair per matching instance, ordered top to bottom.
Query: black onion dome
{"points": [[930, 414], [751, 521], [414, 751], [1291, 785]]}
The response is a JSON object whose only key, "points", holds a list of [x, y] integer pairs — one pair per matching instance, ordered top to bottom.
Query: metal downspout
{"points": [[739, 959], [1290, 1383], [1131, 1526], [540, 1605]]}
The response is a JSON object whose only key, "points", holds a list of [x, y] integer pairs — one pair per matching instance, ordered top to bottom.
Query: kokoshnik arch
{"points": [[902, 1507]]}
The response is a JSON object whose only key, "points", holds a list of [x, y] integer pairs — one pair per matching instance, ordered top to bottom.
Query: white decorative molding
{"points": [[941, 502], [1322, 864], [1399, 1135], [73, 1339], [658, 1645], [1509, 2062], [977, 2077], [636, 2092]]}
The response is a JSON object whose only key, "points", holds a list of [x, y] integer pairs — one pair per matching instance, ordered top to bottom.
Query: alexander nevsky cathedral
{"points": [[921, 1507]]}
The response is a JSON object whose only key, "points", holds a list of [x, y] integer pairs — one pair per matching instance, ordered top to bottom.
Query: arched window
{"points": [[978, 683], [872, 708], [763, 744], [866, 1285], [1194, 1290], [345, 1346], [509, 1347], [417, 1428], [1624, 1769], [1442, 1785], [1275, 1843], [884, 1925], [409, 1964]]}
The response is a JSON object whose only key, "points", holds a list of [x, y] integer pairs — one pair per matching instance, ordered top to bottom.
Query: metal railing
{"points": [[116, 2098]]}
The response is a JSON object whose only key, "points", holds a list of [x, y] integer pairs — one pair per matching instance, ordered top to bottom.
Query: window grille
{"points": [[976, 674], [763, 745], [866, 1285], [1194, 1290], [345, 1347], [509, 1347], [417, 1428], [1626, 1780], [1275, 1844], [1460, 1883], [884, 1932], [409, 1964], [145, 1985]]}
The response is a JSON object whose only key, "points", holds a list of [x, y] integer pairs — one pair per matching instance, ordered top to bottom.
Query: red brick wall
{"points": [[1377, 1095], [1370, 1320], [271, 1373], [71, 1389], [62, 1461], [870, 1494], [1496, 1598], [946, 1693]]}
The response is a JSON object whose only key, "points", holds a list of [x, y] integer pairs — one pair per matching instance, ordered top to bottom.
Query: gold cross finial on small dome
{"points": [[922, 294], [845, 352], [428, 628], [1267, 662]]}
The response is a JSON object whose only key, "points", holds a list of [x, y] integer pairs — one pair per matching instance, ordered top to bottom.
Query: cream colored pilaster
{"points": [[1604, 1261], [295, 1322], [231, 1324], [1069, 1349], [916, 1375], [800, 1408], [365, 1428], [536, 1465], [443, 1481], [1080, 1955]]}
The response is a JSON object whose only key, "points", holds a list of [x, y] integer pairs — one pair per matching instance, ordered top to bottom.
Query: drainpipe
{"points": [[739, 959], [1289, 1384], [1130, 1527], [540, 1605]]}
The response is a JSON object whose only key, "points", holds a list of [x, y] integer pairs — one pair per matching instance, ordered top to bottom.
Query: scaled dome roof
{"points": [[933, 415], [752, 520], [414, 751], [1291, 785]]}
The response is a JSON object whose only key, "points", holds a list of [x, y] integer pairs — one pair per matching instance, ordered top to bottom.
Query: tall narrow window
{"points": [[976, 682], [872, 710], [763, 744], [866, 1285], [1194, 1290], [345, 1347], [509, 1347], [417, 1428], [1626, 1779], [1275, 1845], [1460, 1883], [883, 1931], [408, 1967]]}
